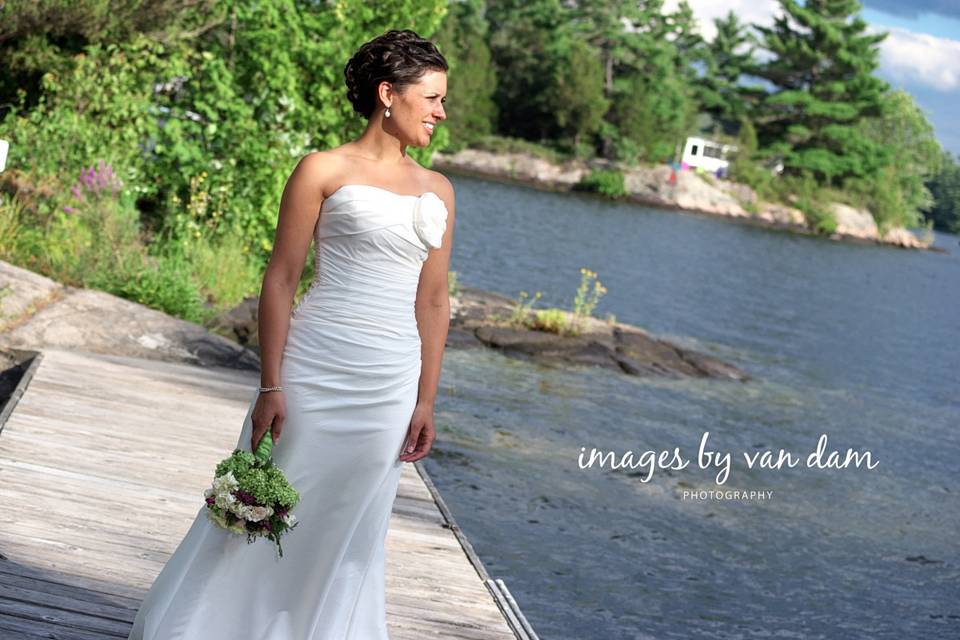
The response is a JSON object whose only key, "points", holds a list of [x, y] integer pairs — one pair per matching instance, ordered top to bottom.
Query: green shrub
{"points": [[609, 182], [813, 200], [11, 217], [95, 231], [222, 267], [163, 283], [520, 313], [552, 320]]}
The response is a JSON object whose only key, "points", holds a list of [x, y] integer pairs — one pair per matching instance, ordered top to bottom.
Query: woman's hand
{"points": [[268, 414], [421, 435]]}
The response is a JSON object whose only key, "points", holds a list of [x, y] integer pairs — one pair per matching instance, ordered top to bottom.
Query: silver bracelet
{"points": [[265, 389]]}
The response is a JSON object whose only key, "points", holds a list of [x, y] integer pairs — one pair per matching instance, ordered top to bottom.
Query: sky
{"points": [[921, 54]]}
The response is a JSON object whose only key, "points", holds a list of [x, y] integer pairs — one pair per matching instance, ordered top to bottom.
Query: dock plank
{"points": [[91, 425]]}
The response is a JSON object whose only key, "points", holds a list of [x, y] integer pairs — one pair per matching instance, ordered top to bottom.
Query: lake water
{"points": [[861, 343]]}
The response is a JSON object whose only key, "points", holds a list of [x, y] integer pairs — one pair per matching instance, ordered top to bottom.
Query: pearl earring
{"points": [[387, 112]]}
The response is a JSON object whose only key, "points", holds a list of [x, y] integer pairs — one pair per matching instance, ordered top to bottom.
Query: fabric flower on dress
{"points": [[430, 219]]}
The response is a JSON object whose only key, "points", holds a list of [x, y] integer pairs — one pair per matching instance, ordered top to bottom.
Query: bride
{"points": [[348, 378]]}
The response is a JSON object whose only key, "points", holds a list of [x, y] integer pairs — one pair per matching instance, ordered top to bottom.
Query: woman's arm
{"points": [[299, 212], [432, 309]]}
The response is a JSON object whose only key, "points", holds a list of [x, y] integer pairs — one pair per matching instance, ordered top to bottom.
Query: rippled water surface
{"points": [[859, 342]]}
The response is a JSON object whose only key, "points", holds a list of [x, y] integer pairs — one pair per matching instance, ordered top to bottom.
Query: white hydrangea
{"points": [[225, 483], [225, 500], [240, 510], [256, 514], [289, 519]]}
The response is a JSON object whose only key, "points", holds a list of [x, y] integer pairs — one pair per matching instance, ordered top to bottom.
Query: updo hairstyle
{"points": [[400, 57]]}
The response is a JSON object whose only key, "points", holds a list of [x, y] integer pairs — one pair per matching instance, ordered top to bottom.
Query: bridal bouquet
{"points": [[251, 495]]}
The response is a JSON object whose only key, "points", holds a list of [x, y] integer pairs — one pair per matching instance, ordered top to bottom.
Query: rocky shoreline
{"points": [[692, 192], [37, 312], [477, 320], [611, 345]]}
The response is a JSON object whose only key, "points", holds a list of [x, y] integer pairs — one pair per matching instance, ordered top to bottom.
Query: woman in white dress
{"points": [[354, 371]]}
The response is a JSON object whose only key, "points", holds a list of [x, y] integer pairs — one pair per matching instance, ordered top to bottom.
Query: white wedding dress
{"points": [[350, 371]]}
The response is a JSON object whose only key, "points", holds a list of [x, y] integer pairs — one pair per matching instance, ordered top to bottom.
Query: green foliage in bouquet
{"points": [[250, 495]]}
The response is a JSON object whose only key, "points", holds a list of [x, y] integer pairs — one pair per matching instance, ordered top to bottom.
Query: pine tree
{"points": [[522, 36], [647, 57], [726, 59], [822, 72], [471, 80], [577, 92]]}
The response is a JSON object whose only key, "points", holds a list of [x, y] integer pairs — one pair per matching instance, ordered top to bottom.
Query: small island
{"points": [[481, 319]]}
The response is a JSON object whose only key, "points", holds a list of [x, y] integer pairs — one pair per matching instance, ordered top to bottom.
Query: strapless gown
{"points": [[350, 371]]}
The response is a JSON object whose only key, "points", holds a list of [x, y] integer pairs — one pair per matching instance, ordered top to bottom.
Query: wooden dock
{"points": [[93, 431]]}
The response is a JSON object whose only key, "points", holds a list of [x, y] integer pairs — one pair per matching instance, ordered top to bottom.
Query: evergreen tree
{"points": [[680, 30], [522, 37], [647, 57], [726, 59], [822, 72], [472, 80], [577, 93], [653, 114], [945, 188]]}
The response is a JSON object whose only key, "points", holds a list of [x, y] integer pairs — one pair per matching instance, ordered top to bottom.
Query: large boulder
{"points": [[652, 185], [782, 215], [855, 223], [902, 237], [22, 292], [52, 315]]}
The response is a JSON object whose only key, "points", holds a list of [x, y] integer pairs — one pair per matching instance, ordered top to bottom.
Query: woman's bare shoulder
{"points": [[328, 160], [321, 168], [441, 184]]}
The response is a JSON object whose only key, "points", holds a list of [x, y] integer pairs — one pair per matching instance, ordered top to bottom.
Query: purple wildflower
{"points": [[96, 179]]}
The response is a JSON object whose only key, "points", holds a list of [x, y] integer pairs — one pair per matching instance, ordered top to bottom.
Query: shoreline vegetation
{"points": [[690, 191], [37, 312]]}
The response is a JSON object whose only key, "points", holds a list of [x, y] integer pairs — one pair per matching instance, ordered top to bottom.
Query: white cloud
{"points": [[748, 11], [905, 56], [912, 57]]}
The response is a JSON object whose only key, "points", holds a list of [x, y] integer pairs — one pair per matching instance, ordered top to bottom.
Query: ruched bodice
{"points": [[367, 263], [350, 374]]}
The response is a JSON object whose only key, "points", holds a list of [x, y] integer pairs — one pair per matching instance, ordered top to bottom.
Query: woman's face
{"points": [[416, 110]]}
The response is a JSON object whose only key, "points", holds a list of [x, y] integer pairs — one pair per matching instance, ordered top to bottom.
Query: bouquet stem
{"points": [[265, 447]]}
